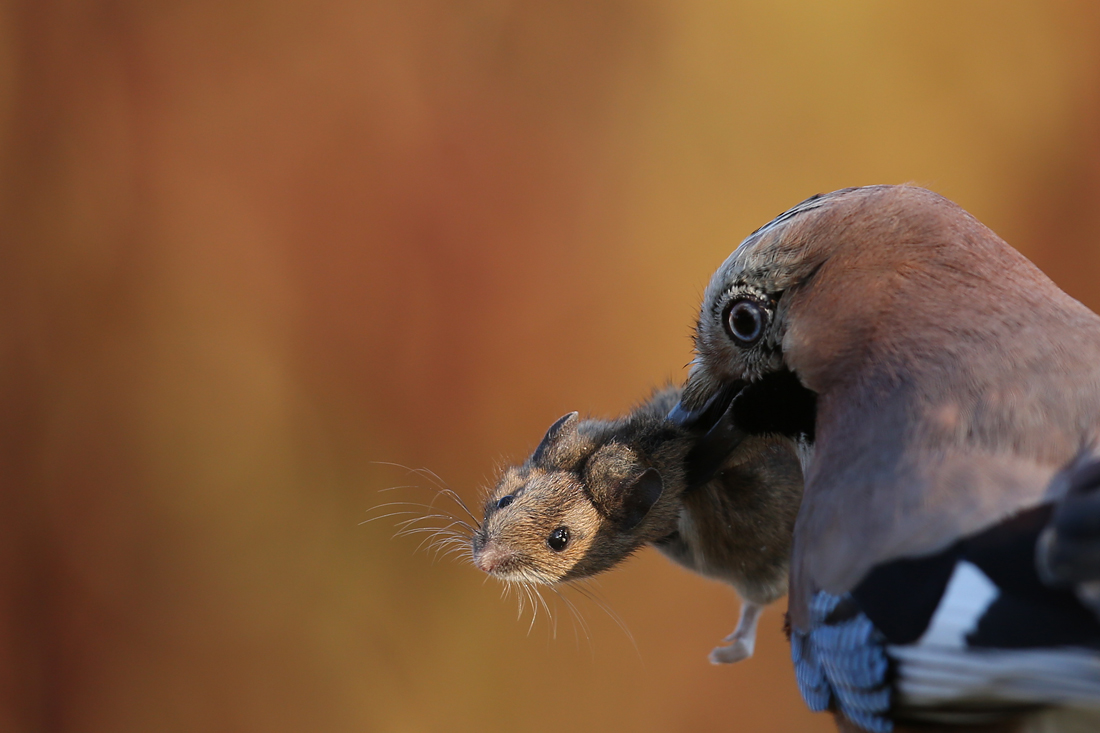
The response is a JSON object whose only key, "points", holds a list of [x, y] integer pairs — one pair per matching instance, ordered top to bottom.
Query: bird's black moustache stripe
{"points": [[776, 403]]}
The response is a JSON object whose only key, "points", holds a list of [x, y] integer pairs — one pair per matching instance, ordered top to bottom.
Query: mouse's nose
{"points": [[492, 556]]}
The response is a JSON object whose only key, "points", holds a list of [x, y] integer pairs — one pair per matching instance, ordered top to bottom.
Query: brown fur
{"points": [[736, 528]]}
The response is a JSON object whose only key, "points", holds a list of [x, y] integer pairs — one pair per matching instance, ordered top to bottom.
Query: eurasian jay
{"points": [[945, 397]]}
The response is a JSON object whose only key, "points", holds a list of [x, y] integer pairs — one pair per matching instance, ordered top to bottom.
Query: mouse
{"points": [[594, 491]]}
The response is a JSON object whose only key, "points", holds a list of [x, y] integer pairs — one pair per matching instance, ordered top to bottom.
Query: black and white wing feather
{"points": [[972, 633]]}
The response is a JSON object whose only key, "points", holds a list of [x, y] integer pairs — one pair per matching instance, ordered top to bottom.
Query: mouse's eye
{"points": [[505, 501], [558, 539]]}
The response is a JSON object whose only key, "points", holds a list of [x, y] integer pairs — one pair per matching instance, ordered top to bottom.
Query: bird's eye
{"points": [[745, 321], [505, 501], [558, 539]]}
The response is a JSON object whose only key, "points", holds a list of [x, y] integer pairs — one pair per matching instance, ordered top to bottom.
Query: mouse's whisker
{"points": [[402, 466], [432, 476], [439, 485], [404, 486], [442, 489], [453, 495], [418, 504], [408, 508], [418, 516], [368, 520], [410, 523], [408, 526], [431, 531], [435, 534], [432, 535], [441, 537], [450, 537], [449, 544], [446, 546], [437, 549], [455, 550], [468, 554], [588, 592], [532, 593], [533, 603], [535, 606], [519, 610], [549, 613], [578, 618], [578, 621]]}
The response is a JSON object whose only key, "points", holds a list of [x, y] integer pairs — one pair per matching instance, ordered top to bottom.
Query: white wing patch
{"points": [[967, 596], [940, 671]]}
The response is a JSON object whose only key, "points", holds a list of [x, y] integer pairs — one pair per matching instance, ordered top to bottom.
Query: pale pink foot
{"points": [[742, 640]]}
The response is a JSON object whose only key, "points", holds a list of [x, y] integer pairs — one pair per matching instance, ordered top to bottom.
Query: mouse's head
{"points": [[581, 503]]}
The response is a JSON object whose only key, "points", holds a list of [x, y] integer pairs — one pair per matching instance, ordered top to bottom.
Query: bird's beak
{"points": [[708, 412], [714, 418]]}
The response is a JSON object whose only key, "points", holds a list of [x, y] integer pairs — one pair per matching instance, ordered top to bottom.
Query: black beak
{"points": [[703, 418], [721, 438]]}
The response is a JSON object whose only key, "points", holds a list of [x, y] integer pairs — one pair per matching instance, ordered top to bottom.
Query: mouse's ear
{"points": [[565, 425], [636, 497]]}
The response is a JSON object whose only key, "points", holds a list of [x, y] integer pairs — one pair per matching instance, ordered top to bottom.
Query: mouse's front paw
{"points": [[735, 652]]}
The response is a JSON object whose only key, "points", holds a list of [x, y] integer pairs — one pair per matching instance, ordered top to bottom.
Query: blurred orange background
{"points": [[250, 248]]}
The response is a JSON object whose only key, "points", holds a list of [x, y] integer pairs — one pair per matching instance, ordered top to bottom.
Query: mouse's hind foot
{"points": [[743, 638], [736, 652]]}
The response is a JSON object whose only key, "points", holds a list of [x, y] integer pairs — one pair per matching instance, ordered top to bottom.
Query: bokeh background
{"points": [[251, 248]]}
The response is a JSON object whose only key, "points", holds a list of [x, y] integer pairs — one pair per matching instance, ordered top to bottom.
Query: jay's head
{"points": [[847, 296]]}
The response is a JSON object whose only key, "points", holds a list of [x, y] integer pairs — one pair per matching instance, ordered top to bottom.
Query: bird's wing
{"points": [[865, 508], [967, 633]]}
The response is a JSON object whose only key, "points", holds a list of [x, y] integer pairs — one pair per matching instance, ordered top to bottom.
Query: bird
{"points": [[944, 397]]}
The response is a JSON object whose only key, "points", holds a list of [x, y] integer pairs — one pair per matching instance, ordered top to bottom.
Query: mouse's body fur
{"points": [[601, 489]]}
